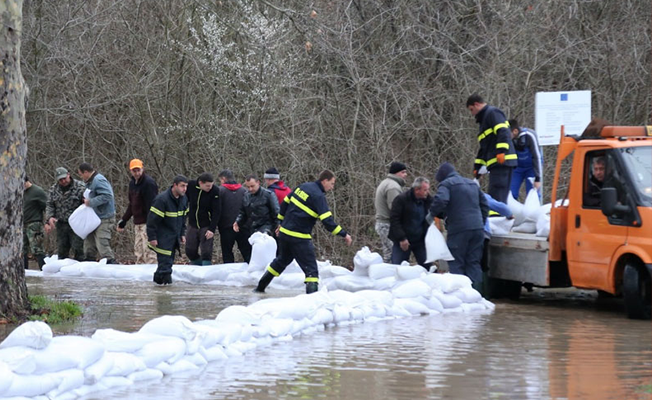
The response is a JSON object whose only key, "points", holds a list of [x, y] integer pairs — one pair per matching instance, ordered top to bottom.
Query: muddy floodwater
{"points": [[549, 345]]}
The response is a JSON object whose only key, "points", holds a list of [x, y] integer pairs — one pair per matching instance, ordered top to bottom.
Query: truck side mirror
{"points": [[609, 202]]}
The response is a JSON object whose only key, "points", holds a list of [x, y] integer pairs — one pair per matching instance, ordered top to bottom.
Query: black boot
{"points": [[26, 261], [41, 261], [112, 261], [158, 278], [167, 278], [264, 282], [312, 287]]}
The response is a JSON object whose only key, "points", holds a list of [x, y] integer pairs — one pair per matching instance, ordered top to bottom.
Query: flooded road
{"points": [[566, 345]]}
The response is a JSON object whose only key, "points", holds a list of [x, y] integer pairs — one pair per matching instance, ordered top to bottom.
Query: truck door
{"points": [[592, 238]]}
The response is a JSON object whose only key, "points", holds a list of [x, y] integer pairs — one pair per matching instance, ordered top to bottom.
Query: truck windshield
{"points": [[638, 161]]}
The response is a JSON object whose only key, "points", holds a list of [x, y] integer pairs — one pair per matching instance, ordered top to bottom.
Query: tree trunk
{"points": [[13, 150]]}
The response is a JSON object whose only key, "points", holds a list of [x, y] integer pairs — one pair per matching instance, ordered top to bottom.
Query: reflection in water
{"points": [[534, 349]]}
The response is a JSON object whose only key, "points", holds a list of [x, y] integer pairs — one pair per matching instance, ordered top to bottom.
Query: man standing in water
{"points": [[299, 212]]}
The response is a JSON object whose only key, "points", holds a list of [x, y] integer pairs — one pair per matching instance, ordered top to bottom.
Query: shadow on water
{"points": [[547, 346]]}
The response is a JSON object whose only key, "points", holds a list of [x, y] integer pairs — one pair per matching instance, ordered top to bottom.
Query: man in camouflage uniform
{"points": [[65, 196], [34, 199]]}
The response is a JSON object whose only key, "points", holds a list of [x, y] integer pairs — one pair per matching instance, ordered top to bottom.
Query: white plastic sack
{"points": [[531, 206], [517, 210], [83, 221], [500, 225], [526, 227], [436, 248], [263, 251], [363, 259], [380, 271], [171, 325], [34, 334]]}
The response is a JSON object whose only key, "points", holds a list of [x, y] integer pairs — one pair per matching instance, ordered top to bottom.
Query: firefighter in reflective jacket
{"points": [[496, 154], [299, 212], [166, 227]]}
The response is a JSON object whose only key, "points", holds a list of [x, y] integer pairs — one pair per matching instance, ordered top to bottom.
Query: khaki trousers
{"points": [[143, 254]]}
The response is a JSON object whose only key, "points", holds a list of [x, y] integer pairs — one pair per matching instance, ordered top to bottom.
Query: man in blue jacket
{"points": [[496, 154], [530, 159], [101, 200], [463, 206], [300, 210], [166, 227]]}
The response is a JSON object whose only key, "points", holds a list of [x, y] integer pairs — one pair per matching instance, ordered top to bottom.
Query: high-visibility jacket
{"points": [[494, 138], [302, 208], [166, 222]]}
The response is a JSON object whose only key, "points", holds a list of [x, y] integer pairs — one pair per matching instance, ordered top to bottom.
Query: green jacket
{"points": [[34, 200], [62, 201]]}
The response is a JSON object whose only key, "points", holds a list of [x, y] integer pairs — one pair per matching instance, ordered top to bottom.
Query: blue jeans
{"points": [[518, 176]]}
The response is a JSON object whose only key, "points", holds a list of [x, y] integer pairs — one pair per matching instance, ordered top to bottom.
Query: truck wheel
{"points": [[637, 292]]}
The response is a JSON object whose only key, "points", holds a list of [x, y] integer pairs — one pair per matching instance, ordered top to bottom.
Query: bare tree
{"points": [[13, 151]]}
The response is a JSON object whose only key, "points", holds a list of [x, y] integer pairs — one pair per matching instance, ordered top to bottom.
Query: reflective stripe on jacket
{"points": [[494, 138], [166, 222]]}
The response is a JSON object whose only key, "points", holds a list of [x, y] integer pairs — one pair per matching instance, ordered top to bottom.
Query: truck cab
{"points": [[600, 228]]}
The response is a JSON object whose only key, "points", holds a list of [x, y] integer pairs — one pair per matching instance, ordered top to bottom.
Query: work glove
{"points": [[501, 158]]}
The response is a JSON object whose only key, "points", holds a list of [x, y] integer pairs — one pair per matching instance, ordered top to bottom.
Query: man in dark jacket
{"points": [[496, 154], [275, 184], [142, 191], [231, 197], [63, 199], [34, 203], [463, 205], [205, 208], [259, 208], [300, 210], [408, 225], [166, 227]]}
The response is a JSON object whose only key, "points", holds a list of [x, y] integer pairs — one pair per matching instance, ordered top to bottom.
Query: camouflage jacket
{"points": [[61, 203]]}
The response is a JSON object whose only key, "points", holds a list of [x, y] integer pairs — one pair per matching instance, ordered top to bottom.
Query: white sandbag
{"points": [[531, 206], [517, 210], [83, 221], [543, 222], [500, 225], [526, 227], [436, 248], [263, 251], [363, 259], [53, 264], [382, 270], [331, 271], [409, 272], [289, 280], [435, 281], [452, 282], [350, 283], [385, 283], [411, 289], [467, 295], [376, 297], [349, 299], [448, 301], [434, 304], [413, 307], [398, 311], [341, 313], [239, 314], [323, 316], [170, 325], [278, 326], [232, 331], [34, 334], [211, 335], [119, 341], [243, 347], [170, 349], [66, 352], [213, 353], [19, 359], [196, 359], [125, 364], [173, 368], [99, 369], [145, 375], [6, 377], [70, 379], [31, 385]]}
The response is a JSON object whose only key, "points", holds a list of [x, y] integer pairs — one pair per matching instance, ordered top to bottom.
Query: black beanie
{"points": [[396, 166], [444, 170], [272, 173]]}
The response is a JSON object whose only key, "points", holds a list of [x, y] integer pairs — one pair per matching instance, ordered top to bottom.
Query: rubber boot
{"points": [[26, 261], [41, 261], [111, 261], [196, 262], [206, 262], [158, 278], [167, 278], [264, 281], [312, 287]]}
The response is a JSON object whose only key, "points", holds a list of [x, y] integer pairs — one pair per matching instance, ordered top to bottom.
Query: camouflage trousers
{"points": [[382, 229], [33, 239], [66, 240]]}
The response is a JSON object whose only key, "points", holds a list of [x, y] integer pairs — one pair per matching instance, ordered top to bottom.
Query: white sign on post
{"points": [[554, 109]]}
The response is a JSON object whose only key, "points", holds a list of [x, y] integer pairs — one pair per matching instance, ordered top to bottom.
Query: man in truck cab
{"points": [[596, 181]]}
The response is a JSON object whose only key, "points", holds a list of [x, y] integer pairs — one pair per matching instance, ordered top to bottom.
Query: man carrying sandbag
{"points": [[101, 200], [463, 205], [166, 227]]}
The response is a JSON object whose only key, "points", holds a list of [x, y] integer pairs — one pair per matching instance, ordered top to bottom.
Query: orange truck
{"points": [[600, 227]]}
